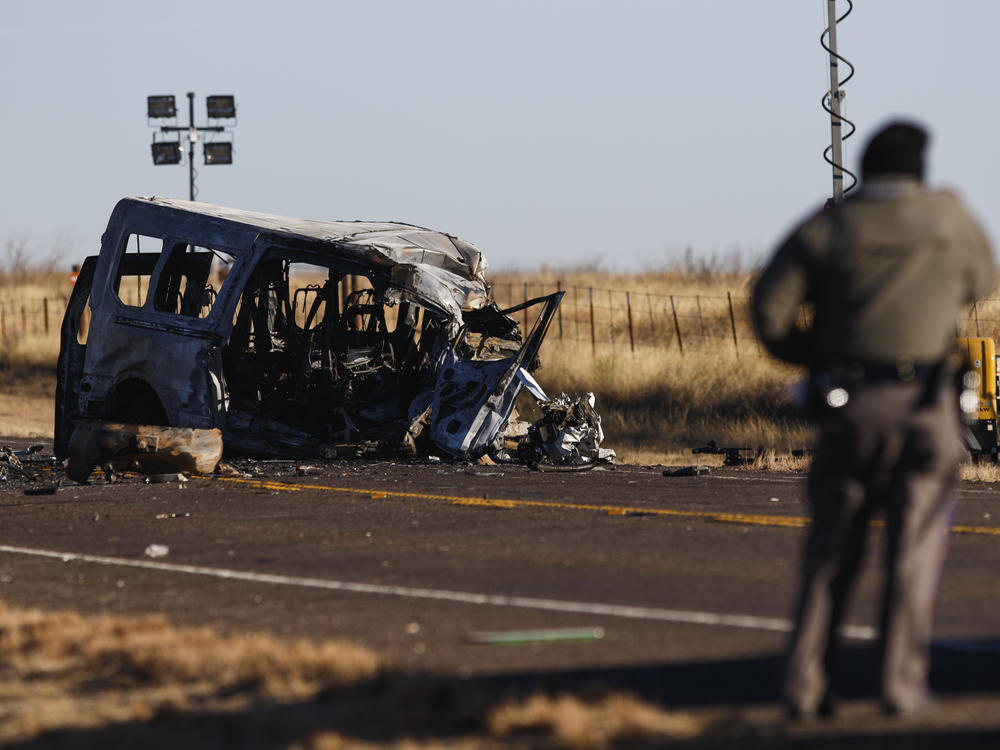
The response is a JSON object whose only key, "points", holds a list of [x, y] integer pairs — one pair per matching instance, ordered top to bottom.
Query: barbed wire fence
{"points": [[31, 316], [604, 321], [625, 321]]}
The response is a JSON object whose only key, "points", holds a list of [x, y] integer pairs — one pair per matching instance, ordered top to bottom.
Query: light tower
{"points": [[168, 151]]}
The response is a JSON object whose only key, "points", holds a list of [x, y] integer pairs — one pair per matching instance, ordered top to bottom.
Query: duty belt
{"points": [[901, 371]]}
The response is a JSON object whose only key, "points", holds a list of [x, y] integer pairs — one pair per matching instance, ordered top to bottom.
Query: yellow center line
{"points": [[752, 519]]}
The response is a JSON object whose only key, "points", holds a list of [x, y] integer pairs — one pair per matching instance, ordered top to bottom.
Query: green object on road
{"points": [[547, 635]]}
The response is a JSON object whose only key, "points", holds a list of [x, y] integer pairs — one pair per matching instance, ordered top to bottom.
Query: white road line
{"points": [[749, 622]]}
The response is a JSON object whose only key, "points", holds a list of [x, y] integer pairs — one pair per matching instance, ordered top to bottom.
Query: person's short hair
{"points": [[898, 148]]}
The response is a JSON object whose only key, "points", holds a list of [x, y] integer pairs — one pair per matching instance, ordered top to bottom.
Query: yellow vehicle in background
{"points": [[981, 436]]}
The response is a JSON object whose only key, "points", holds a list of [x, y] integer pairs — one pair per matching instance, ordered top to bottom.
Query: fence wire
{"points": [[31, 316], [601, 320]]}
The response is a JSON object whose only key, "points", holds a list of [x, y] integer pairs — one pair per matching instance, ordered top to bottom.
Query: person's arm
{"points": [[972, 245], [984, 265], [778, 295]]}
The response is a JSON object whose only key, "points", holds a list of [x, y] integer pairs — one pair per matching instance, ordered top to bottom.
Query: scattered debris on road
{"points": [[568, 432], [760, 457], [10, 464], [687, 471], [164, 478], [49, 489], [157, 550], [546, 635]]}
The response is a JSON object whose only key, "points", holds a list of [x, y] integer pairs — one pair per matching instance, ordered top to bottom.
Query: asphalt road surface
{"points": [[690, 579]]}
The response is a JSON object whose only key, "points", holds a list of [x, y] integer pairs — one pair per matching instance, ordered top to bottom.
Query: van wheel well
{"points": [[134, 401]]}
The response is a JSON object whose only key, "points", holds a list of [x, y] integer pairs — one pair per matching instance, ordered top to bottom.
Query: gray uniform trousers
{"points": [[890, 450]]}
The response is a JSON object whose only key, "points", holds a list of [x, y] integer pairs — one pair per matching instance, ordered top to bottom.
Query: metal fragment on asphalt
{"points": [[161, 478], [50, 489]]}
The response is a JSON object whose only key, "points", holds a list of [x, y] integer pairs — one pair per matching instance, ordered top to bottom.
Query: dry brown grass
{"points": [[27, 354], [27, 385], [663, 399], [656, 403], [659, 405], [982, 472], [141, 682], [609, 721]]}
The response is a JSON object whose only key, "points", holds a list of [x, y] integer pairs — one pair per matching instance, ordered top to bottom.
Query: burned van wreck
{"points": [[294, 338]]}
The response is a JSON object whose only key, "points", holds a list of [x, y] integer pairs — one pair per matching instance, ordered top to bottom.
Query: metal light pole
{"points": [[835, 95], [169, 152], [834, 153]]}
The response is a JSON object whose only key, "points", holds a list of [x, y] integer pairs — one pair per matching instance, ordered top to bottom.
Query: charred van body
{"points": [[291, 336]]}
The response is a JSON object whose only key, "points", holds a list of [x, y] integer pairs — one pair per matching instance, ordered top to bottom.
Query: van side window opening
{"points": [[134, 269], [190, 280], [82, 324], [324, 348]]}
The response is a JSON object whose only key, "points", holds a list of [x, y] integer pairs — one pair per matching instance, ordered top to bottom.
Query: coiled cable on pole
{"points": [[831, 101]]}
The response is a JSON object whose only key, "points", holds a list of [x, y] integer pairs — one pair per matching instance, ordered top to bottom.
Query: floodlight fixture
{"points": [[161, 106], [221, 106], [166, 152], [220, 152]]}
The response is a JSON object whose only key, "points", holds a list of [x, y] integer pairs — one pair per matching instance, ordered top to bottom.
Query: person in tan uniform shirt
{"points": [[885, 273]]}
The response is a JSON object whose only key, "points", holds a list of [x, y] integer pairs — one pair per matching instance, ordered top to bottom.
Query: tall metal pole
{"points": [[835, 119], [192, 139]]}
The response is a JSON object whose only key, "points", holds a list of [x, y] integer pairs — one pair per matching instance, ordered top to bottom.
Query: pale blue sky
{"points": [[557, 132]]}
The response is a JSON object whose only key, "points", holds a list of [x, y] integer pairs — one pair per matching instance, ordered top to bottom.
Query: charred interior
{"points": [[341, 355]]}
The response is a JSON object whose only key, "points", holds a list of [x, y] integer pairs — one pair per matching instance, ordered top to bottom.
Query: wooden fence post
{"points": [[628, 306], [524, 312], [975, 312], [45, 313], [576, 313], [24, 321], [611, 321], [732, 322], [652, 325], [677, 326], [593, 336]]}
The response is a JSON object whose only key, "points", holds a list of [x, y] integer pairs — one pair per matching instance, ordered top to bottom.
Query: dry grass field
{"points": [[27, 354], [669, 354], [659, 393], [656, 401]]}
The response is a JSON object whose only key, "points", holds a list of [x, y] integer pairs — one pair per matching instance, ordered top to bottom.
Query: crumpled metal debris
{"points": [[568, 432], [11, 466]]}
